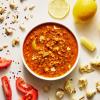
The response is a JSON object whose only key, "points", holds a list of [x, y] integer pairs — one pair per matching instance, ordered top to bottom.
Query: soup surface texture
{"points": [[50, 50]]}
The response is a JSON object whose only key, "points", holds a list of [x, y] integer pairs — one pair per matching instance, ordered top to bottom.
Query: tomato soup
{"points": [[50, 50]]}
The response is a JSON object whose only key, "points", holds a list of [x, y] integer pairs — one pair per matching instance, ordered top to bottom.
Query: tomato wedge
{"points": [[4, 63], [22, 86], [6, 87], [31, 95]]}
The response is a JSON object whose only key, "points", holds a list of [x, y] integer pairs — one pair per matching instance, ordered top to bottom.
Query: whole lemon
{"points": [[84, 10]]}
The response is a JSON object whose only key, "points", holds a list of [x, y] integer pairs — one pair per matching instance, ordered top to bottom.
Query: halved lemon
{"points": [[58, 8]]}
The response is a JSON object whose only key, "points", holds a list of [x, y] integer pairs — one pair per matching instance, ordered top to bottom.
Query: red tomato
{"points": [[4, 63], [22, 86], [6, 87], [31, 95]]}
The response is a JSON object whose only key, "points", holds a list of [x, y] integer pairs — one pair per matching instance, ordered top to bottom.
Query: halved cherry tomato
{"points": [[4, 63], [22, 86], [6, 87], [31, 95]]}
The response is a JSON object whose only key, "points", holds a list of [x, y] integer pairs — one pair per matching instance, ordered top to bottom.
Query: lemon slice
{"points": [[58, 8]]}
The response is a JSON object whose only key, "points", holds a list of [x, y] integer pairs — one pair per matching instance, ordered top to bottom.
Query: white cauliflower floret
{"points": [[95, 63], [86, 69], [82, 83], [98, 86], [69, 87], [59, 94], [90, 94]]}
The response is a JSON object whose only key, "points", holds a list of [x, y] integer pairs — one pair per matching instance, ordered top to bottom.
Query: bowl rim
{"points": [[50, 78]]}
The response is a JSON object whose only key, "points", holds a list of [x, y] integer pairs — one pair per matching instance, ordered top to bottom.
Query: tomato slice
{"points": [[4, 63], [22, 86], [6, 87], [31, 95]]}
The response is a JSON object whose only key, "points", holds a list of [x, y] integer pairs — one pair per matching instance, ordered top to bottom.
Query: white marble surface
{"points": [[40, 14]]}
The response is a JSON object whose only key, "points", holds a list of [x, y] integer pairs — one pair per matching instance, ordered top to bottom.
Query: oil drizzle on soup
{"points": [[50, 50]]}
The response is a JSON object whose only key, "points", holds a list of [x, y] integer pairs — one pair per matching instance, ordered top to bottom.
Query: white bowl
{"points": [[47, 78]]}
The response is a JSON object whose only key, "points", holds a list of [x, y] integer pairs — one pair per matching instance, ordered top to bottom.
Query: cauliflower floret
{"points": [[95, 63], [86, 69], [82, 83], [98, 86], [69, 87], [59, 94], [90, 94]]}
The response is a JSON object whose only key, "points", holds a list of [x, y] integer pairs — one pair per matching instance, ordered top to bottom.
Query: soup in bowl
{"points": [[50, 51]]}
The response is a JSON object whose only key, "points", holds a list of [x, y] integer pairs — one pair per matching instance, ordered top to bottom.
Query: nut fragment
{"points": [[22, 0], [13, 5], [31, 7], [2, 10], [26, 17], [1, 18], [15, 18], [22, 27], [55, 27], [8, 31], [42, 38], [15, 42], [5, 46], [1, 48], [56, 48], [68, 48], [45, 54], [34, 57], [95, 63], [46, 69], [53, 69], [86, 69], [82, 83], [98, 86], [68, 87], [59, 94], [90, 94], [82, 98]]}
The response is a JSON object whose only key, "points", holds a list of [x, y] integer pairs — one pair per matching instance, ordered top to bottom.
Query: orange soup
{"points": [[50, 50]]}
